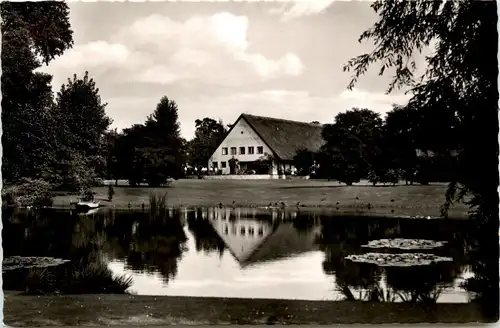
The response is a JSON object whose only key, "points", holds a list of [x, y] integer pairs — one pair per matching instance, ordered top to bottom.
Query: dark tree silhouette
{"points": [[29, 29], [461, 78]]}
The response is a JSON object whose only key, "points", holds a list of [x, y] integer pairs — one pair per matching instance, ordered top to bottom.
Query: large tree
{"points": [[32, 33], [461, 78], [81, 132], [207, 137], [400, 138], [352, 144], [128, 149], [165, 151], [153, 152], [342, 157], [114, 167]]}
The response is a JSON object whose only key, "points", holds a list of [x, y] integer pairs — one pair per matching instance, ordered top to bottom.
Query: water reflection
{"points": [[226, 252]]}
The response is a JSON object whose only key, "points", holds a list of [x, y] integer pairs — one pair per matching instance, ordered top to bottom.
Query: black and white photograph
{"points": [[307, 162]]}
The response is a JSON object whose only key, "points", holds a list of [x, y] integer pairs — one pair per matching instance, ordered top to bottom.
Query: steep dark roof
{"points": [[284, 137], [284, 242]]}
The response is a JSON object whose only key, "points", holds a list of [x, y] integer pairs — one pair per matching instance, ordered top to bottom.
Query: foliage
{"points": [[29, 30], [459, 85], [82, 124], [401, 131], [207, 137], [60, 141], [153, 152], [342, 157], [303, 161], [233, 165], [264, 165], [114, 170], [74, 172], [391, 176], [28, 192], [111, 192], [157, 204], [97, 278], [38, 282]]}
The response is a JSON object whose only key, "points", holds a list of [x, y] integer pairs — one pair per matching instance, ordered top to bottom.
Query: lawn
{"points": [[395, 200], [115, 310]]}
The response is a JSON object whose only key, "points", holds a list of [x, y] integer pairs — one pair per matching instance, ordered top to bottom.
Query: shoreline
{"points": [[299, 195], [430, 213], [132, 310]]}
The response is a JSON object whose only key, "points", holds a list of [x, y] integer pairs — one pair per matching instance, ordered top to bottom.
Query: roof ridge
{"points": [[282, 119]]}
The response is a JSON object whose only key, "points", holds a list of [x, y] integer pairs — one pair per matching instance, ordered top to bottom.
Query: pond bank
{"points": [[399, 200], [116, 310]]}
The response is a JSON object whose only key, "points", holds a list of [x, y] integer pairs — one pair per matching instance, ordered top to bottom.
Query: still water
{"points": [[247, 253]]}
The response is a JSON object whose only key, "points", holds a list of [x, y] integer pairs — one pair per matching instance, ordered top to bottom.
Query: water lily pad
{"points": [[407, 244], [398, 260], [18, 262]]}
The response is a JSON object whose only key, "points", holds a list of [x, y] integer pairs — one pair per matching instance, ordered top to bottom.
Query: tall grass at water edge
{"points": [[157, 203], [93, 278]]}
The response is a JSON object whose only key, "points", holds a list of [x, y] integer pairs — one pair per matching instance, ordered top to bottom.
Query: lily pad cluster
{"points": [[406, 244], [398, 260], [18, 262]]}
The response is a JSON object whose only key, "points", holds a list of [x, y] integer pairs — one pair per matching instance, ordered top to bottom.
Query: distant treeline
{"points": [[407, 145]]}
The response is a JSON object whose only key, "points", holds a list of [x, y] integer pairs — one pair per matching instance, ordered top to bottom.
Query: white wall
{"points": [[242, 135], [241, 242]]}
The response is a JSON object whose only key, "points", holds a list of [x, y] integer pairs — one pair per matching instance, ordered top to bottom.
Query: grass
{"points": [[399, 199], [157, 203], [93, 278], [131, 310]]}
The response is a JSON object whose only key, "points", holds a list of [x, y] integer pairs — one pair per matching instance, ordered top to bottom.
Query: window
{"points": [[233, 150], [242, 150], [250, 150], [260, 150], [224, 151], [215, 165], [223, 165], [226, 230], [242, 231], [251, 231], [261, 231]]}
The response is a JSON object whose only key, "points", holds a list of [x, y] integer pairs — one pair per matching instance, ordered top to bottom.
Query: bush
{"points": [[303, 161], [264, 164], [75, 173], [348, 175], [384, 176], [392, 176], [373, 177], [28, 192], [111, 192], [87, 195], [157, 203], [96, 278], [39, 282]]}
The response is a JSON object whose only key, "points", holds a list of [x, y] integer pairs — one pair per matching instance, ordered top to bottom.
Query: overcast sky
{"points": [[221, 59]]}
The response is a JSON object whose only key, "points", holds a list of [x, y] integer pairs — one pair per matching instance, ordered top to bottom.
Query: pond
{"points": [[244, 253]]}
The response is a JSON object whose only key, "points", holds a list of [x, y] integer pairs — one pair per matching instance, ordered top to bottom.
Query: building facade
{"points": [[256, 137]]}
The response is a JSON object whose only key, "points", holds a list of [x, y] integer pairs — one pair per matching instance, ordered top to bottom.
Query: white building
{"points": [[254, 137]]}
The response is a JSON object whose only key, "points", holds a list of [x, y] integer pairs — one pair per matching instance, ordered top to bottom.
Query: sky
{"points": [[221, 59]]}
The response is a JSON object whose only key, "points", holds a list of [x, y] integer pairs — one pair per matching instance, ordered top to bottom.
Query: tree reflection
{"points": [[205, 237], [149, 243]]}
